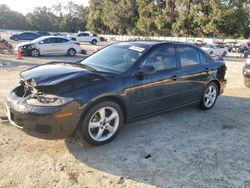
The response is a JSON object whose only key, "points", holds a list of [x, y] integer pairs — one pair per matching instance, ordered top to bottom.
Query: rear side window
{"points": [[83, 35], [65, 40], [189, 56], [162, 58], [203, 59]]}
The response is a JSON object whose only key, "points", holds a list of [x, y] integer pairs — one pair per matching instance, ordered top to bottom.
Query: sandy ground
{"points": [[182, 148]]}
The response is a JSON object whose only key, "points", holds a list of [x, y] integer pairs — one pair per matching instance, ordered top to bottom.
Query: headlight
{"points": [[30, 46], [48, 100]]}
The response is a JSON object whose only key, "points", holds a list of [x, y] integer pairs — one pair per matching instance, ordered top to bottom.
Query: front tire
{"points": [[35, 53], [209, 96], [102, 123]]}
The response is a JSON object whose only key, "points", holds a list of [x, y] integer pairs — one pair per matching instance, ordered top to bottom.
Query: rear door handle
{"points": [[174, 77]]}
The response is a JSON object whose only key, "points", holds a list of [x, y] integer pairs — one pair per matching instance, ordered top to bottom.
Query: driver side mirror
{"points": [[145, 70]]}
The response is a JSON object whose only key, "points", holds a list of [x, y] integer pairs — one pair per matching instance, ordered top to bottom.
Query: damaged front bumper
{"points": [[44, 122]]}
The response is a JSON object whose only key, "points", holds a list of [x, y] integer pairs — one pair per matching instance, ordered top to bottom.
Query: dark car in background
{"points": [[43, 33], [25, 36], [120, 83]]}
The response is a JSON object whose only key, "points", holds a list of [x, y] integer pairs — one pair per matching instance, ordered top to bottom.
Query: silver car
{"points": [[49, 45]]}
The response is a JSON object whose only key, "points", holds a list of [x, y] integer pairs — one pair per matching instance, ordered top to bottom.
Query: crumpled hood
{"points": [[23, 44], [61, 74]]}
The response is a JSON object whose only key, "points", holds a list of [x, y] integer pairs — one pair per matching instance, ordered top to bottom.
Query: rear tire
{"points": [[94, 41], [71, 52], [247, 82], [209, 96], [102, 123]]}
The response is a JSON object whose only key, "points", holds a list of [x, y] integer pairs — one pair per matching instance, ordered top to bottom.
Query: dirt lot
{"points": [[182, 148]]}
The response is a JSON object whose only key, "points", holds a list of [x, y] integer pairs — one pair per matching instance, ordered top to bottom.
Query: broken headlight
{"points": [[48, 100]]}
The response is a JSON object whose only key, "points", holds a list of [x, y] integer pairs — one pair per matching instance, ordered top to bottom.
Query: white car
{"points": [[85, 37], [49, 45], [215, 50]]}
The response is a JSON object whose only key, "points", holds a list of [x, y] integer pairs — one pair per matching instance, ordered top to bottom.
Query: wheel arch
{"points": [[217, 83], [115, 99]]}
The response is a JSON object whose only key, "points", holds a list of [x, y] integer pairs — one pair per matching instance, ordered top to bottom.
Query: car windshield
{"points": [[208, 46], [116, 58]]}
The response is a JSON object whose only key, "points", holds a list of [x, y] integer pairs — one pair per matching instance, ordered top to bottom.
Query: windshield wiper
{"points": [[88, 67]]}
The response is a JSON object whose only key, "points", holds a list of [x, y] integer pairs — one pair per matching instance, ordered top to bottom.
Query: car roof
{"points": [[47, 37], [151, 43]]}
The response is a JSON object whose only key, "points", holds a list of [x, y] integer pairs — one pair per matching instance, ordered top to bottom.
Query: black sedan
{"points": [[122, 82]]}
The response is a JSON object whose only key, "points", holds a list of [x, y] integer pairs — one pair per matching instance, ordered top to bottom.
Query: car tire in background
{"points": [[94, 41], [71, 52], [34, 53], [247, 82], [209, 96], [101, 123]]}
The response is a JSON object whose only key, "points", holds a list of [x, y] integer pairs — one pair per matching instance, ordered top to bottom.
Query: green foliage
{"points": [[120, 15], [95, 17], [70, 18], [212, 18], [11, 19]]}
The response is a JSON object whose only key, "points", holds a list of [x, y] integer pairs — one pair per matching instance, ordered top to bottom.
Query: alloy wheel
{"points": [[72, 52], [34, 53], [210, 96], [103, 124]]}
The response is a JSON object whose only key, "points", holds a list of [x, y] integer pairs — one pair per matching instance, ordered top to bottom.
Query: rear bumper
{"points": [[223, 84], [43, 122]]}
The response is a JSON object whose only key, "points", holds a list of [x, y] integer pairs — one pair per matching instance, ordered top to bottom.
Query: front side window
{"points": [[58, 40], [47, 41], [188, 56], [116, 58], [162, 58]]}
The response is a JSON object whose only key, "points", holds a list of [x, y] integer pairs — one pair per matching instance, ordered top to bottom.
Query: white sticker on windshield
{"points": [[136, 48]]}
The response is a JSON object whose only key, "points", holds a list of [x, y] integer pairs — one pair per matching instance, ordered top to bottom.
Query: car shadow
{"points": [[64, 58], [234, 58], [12, 64], [182, 147]]}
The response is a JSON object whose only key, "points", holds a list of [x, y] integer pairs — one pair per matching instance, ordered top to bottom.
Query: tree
{"points": [[120, 15], [147, 16], [95, 17], [42, 18], [11, 19]]}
